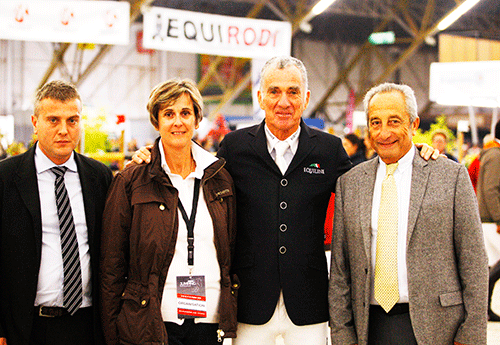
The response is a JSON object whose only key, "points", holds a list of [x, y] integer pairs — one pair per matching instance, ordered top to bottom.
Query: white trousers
{"points": [[281, 325]]}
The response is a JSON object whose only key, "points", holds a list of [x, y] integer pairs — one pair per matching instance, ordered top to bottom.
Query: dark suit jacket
{"points": [[21, 238], [279, 242]]}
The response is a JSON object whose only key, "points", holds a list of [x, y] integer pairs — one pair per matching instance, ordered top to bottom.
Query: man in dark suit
{"points": [[282, 200], [48, 246], [408, 258]]}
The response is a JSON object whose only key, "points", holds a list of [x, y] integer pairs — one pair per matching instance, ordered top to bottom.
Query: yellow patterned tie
{"points": [[386, 262]]}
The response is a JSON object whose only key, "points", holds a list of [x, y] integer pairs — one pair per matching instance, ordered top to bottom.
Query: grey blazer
{"points": [[446, 260]]}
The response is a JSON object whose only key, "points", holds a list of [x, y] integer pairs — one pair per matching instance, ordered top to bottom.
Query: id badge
{"points": [[191, 298]]}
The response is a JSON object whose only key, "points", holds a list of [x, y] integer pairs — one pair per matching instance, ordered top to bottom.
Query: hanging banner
{"points": [[100, 22], [194, 32]]}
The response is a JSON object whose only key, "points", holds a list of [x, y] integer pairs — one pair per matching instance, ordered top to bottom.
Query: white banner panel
{"points": [[100, 22], [194, 32], [473, 83]]}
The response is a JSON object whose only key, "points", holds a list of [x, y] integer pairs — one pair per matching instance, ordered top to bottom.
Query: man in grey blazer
{"points": [[439, 272]]}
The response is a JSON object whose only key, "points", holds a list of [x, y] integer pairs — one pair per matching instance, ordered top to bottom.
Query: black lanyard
{"points": [[190, 221]]}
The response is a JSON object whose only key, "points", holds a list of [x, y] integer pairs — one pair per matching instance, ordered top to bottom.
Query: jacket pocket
{"points": [[451, 298], [137, 323]]}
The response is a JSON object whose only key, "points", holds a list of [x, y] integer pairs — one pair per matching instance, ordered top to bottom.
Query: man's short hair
{"points": [[281, 62], [58, 90], [166, 93], [409, 95]]}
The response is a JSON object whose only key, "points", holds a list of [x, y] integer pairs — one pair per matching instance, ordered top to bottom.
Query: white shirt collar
{"points": [[292, 140], [202, 158], [404, 162], [43, 163]]}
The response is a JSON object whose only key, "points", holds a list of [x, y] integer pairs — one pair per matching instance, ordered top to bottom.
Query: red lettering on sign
{"points": [[233, 31], [252, 31], [264, 37]]}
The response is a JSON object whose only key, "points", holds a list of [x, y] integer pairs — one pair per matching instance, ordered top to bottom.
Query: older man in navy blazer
{"points": [[282, 200], [416, 273]]}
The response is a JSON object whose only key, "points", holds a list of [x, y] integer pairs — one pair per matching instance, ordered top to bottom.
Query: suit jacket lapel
{"points": [[259, 144], [306, 145], [419, 178], [88, 181], [367, 183], [27, 185]]}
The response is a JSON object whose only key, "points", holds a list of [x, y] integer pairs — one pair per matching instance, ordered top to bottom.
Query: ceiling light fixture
{"points": [[321, 6], [456, 13]]}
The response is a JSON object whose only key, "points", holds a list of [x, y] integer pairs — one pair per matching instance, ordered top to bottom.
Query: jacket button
{"points": [[284, 182], [283, 205], [162, 207], [283, 227], [282, 250], [235, 286], [143, 302]]}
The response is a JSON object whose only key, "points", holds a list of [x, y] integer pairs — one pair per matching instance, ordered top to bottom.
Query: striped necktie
{"points": [[69, 245], [386, 262]]}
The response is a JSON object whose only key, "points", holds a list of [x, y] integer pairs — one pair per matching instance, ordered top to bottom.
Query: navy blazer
{"points": [[21, 238], [279, 241]]}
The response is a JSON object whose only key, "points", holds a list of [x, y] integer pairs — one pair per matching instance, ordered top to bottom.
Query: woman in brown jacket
{"points": [[166, 249]]}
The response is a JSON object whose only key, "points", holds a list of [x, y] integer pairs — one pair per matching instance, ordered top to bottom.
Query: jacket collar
{"points": [[306, 144], [157, 173], [420, 177]]}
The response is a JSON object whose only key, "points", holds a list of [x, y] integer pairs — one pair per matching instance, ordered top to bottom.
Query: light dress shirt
{"points": [[292, 140], [402, 175], [205, 254], [50, 279]]}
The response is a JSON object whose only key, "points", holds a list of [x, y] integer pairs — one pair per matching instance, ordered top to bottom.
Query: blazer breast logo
{"points": [[314, 168]]}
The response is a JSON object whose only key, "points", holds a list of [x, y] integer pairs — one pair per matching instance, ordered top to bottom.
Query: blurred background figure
{"points": [[440, 141], [355, 148], [369, 151], [473, 169], [488, 196]]}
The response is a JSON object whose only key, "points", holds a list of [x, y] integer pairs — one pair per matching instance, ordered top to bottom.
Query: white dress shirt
{"points": [[292, 140], [402, 175], [205, 253], [51, 274]]}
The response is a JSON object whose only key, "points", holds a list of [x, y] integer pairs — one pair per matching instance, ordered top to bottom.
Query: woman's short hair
{"points": [[166, 93]]}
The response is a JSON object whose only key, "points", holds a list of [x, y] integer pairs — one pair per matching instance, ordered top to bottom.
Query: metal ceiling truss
{"points": [[294, 15], [425, 27], [78, 76], [231, 89]]}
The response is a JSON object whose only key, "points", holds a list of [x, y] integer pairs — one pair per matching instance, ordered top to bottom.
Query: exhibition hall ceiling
{"points": [[354, 20]]}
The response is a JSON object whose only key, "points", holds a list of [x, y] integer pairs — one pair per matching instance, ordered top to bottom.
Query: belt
{"points": [[399, 308], [50, 311]]}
